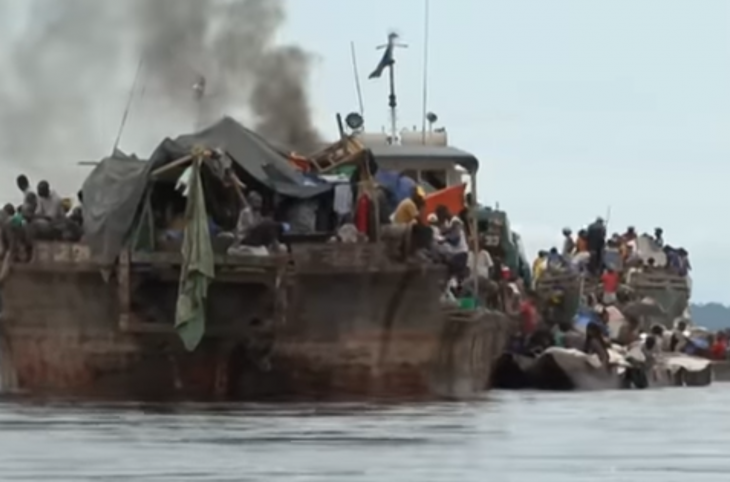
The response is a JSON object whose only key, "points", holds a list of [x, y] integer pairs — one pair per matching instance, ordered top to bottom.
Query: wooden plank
{"points": [[175, 259]]}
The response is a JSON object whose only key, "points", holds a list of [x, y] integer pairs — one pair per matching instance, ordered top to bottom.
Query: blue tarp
{"points": [[400, 185], [587, 315], [696, 344]]}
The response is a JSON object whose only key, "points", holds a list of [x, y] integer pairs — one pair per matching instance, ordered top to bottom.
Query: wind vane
{"points": [[388, 62]]}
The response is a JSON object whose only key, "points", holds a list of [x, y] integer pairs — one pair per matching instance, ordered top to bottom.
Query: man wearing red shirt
{"points": [[610, 280], [528, 315], [718, 351]]}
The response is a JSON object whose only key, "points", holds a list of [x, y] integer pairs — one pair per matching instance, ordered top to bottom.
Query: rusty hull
{"points": [[71, 329]]}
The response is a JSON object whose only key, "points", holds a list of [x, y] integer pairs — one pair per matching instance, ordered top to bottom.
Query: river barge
{"points": [[323, 321]]}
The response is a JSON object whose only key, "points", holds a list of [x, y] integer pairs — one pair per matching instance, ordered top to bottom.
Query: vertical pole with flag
{"points": [[388, 62]]}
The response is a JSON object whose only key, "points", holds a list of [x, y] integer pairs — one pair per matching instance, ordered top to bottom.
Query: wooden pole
{"points": [[172, 165], [474, 227]]}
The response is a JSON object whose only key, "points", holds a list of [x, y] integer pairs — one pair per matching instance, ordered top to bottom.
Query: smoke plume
{"points": [[68, 72]]}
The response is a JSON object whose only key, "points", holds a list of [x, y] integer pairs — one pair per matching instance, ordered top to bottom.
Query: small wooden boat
{"points": [[569, 369]]}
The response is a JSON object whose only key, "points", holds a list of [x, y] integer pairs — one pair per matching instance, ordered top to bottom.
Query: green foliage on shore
{"points": [[714, 316]]}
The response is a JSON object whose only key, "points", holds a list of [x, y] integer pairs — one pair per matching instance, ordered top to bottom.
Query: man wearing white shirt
{"points": [[49, 203], [480, 267]]}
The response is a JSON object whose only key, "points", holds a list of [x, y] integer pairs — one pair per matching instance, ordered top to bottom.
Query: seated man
{"points": [[50, 205], [409, 209], [262, 239], [452, 244]]}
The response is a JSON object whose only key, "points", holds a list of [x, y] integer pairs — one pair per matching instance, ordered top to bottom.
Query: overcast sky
{"points": [[572, 107]]}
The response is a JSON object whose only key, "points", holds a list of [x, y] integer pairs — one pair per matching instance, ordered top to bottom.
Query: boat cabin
{"points": [[427, 159]]}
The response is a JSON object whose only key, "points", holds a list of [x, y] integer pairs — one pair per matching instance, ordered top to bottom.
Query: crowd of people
{"points": [[42, 214], [610, 261]]}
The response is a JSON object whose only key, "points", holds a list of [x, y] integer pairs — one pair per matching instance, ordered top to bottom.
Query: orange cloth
{"points": [[451, 197]]}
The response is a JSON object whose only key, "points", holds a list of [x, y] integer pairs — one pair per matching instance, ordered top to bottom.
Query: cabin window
{"points": [[413, 174], [437, 178]]}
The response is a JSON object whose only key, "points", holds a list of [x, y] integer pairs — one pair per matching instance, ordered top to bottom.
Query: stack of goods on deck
{"points": [[603, 298]]}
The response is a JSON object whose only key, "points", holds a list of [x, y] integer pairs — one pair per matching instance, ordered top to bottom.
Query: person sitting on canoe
{"points": [[566, 336], [679, 339], [596, 344]]}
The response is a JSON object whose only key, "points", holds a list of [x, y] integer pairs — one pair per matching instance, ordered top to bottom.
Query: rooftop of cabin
{"points": [[415, 146]]}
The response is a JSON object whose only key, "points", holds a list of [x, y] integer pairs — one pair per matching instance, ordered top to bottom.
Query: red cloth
{"points": [[362, 210], [506, 273], [610, 282], [528, 315], [719, 350]]}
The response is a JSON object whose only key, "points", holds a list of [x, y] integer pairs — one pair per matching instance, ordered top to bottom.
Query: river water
{"points": [[661, 435]]}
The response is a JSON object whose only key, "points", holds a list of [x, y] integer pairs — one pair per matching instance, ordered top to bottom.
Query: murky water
{"points": [[663, 435]]}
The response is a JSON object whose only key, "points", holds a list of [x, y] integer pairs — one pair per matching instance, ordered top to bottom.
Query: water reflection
{"points": [[609, 436]]}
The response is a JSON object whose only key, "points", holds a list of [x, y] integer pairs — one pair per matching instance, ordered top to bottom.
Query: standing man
{"points": [[24, 185], [596, 245]]}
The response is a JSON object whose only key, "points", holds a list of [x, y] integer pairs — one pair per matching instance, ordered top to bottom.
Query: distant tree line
{"points": [[713, 316]]}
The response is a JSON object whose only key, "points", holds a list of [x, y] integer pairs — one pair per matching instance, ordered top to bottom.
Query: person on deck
{"points": [[24, 185], [50, 205], [409, 209], [465, 213], [250, 215], [659, 237], [262, 239], [453, 241], [581, 242], [568, 243], [596, 244], [555, 260], [482, 265], [539, 265], [684, 265], [610, 281]]}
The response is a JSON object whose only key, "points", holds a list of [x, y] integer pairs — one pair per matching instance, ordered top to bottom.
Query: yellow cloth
{"points": [[406, 212]]}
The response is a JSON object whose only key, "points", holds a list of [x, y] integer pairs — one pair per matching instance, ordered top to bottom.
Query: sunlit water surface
{"points": [[662, 435]]}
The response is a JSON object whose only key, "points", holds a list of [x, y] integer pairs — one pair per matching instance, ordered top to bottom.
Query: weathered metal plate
{"points": [[338, 256]]}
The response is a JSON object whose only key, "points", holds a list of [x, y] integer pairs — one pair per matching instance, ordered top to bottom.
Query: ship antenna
{"points": [[426, 31], [388, 62], [355, 72], [128, 107]]}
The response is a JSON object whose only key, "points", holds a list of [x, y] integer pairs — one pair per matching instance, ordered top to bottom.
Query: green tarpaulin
{"points": [[198, 266]]}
